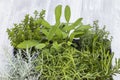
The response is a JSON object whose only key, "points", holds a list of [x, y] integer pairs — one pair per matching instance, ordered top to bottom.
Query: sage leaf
{"points": [[58, 12], [67, 13], [73, 26], [84, 27], [52, 32], [59, 33], [72, 36], [27, 44], [40, 46]]}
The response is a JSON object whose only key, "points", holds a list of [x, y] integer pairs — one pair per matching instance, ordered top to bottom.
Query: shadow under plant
{"points": [[84, 54]]}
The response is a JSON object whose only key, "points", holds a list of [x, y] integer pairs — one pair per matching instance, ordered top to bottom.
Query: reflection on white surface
{"points": [[106, 11]]}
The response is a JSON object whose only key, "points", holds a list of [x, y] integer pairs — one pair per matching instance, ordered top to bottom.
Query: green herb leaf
{"points": [[58, 12], [67, 13], [45, 23], [72, 26], [84, 27], [45, 32], [52, 32], [59, 33], [65, 35], [72, 36], [69, 43], [27, 44], [56, 45], [40, 46]]}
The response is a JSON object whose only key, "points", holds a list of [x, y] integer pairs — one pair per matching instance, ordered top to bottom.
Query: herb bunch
{"points": [[60, 55]]}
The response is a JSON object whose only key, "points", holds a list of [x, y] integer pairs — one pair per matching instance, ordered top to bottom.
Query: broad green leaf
{"points": [[58, 12], [67, 13], [73, 25], [83, 27], [65, 28], [52, 32], [59, 33], [65, 35], [72, 36], [27, 44], [40, 46]]}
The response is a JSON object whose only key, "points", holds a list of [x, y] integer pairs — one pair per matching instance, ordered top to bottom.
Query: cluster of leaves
{"points": [[28, 29], [33, 31], [60, 55], [88, 59], [71, 64], [22, 69]]}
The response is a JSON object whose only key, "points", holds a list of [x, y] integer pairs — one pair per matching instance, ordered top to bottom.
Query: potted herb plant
{"points": [[84, 54]]}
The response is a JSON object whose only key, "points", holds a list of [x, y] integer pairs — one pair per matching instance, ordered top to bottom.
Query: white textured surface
{"points": [[106, 11]]}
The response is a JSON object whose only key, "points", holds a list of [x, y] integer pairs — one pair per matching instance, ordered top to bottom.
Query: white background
{"points": [[106, 11]]}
